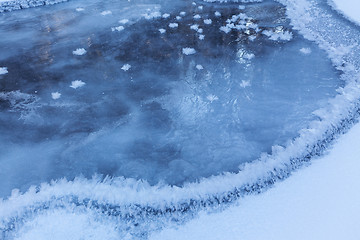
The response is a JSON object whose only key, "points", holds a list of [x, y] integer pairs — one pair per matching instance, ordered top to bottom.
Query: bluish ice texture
{"points": [[165, 118]]}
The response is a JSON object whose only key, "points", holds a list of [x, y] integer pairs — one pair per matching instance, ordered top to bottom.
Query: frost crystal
{"points": [[104, 13], [197, 16], [124, 21], [208, 21], [173, 25], [119, 28], [79, 51], [188, 51], [305, 51], [126, 67], [199, 67], [3, 70], [77, 84], [55, 95]]}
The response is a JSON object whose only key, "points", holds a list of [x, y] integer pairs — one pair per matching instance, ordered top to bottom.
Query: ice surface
{"points": [[163, 119]]}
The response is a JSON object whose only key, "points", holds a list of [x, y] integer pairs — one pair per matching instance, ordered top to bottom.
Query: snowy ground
{"points": [[349, 8], [317, 202]]}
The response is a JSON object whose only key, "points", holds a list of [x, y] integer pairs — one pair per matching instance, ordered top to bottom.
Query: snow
{"points": [[349, 8], [80, 9], [104, 13], [182, 14], [217, 14], [165, 15], [197, 16], [178, 18], [124, 21], [207, 21], [173, 25], [194, 27], [119, 28], [161, 30], [201, 37], [79, 51], [188, 51], [305, 51], [126, 67], [199, 67], [3, 70], [77, 84], [55, 95], [317, 202]]}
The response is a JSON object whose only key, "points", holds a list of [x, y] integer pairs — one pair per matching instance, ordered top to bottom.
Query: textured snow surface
{"points": [[350, 8], [318, 202]]}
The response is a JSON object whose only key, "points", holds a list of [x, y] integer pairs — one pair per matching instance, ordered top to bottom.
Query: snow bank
{"points": [[11, 5], [349, 8], [306, 206]]}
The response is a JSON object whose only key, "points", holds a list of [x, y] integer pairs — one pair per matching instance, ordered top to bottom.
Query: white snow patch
{"points": [[200, 7], [241, 7], [349, 8], [80, 9], [104, 13], [182, 13], [217, 14], [153, 15], [165, 15], [197, 16], [178, 18], [124, 21], [208, 21], [173, 25], [194, 27], [119, 28], [225, 29], [161, 30], [200, 30], [278, 35], [201, 37], [79, 51], [188, 51], [305, 51], [126, 67], [199, 67], [3, 70], [77, 84], [55, 95], [317, 202]]}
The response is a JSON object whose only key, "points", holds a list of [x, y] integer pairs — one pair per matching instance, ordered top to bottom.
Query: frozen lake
{"points": [[120, 89]]}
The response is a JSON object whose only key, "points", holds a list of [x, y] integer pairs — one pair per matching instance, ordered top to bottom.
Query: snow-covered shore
{"points": [[349, 8], [318, 202]]}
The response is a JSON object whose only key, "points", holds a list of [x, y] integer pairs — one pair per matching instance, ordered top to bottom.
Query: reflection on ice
{"points": [[152, 108]]}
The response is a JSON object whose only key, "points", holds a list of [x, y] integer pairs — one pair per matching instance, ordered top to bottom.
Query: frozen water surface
{"points": [[148, 110]]}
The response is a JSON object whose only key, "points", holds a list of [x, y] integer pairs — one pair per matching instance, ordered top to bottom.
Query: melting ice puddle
{"points": [[150, 110]]}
